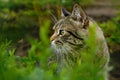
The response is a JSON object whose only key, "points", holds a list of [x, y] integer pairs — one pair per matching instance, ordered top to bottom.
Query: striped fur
{"points": [[69, 37]]}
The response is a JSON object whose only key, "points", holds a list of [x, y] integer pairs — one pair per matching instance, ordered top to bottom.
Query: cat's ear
{"points": [[64, 12], [79, 15], [53, 18]]}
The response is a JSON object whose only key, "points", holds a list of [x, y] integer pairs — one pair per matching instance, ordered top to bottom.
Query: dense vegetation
{"points": [[28, 23]]}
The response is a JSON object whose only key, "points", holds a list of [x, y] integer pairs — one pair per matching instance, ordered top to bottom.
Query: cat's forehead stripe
{"points": [[63, 22], [59, 24]]}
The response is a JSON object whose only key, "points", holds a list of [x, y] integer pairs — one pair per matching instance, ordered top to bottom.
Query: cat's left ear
{"points": [[64, 13], [78, 14]]}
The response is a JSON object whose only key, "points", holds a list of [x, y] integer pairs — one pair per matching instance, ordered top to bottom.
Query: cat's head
{"points": [[70, 30]]}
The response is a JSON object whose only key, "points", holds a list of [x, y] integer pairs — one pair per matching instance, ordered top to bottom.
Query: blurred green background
{"points": [[25, 28]]}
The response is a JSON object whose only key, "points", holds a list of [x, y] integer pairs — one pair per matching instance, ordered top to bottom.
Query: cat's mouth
{"points": [[57, 44]]}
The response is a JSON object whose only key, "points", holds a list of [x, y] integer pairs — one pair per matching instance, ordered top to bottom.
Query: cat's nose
{"points": [[53, 37]]}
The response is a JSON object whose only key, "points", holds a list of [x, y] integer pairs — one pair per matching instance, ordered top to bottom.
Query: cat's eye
{"points": [[61, 32]]}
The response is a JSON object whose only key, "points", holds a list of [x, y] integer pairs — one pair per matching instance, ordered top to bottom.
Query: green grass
{"points": [[17, 21], [25, 68]]}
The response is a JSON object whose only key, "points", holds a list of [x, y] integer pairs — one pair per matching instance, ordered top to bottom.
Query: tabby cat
{"points": [[68, 40]]}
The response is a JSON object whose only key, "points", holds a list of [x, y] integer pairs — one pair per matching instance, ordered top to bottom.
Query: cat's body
{"points": [[69, 37]]}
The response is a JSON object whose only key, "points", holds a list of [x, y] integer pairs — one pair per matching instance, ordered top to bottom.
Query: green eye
{"points": [[61, 32]]}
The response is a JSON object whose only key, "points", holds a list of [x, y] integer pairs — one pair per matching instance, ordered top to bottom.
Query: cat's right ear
{"points": [[78, 13], [53, 18]]}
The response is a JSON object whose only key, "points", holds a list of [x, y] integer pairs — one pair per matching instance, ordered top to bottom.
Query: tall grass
{"points": [[34, 67]]}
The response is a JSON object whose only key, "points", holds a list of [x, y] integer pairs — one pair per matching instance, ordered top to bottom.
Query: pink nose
{"points": [[53, 37]]}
